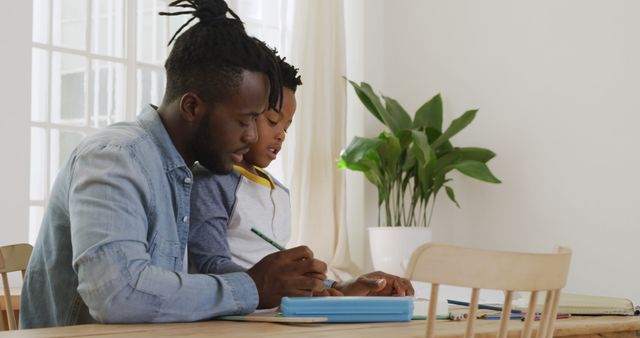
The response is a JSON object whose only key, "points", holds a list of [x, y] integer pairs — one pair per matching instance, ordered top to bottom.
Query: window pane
{"points": [[250, 9], [271, 12], [41, 21], [69, 23], [254, 29], [107, 30], [153, 31], [271, 36], [39, 85], [150, 87], [68, 89], [108, 93], [62, 144], [37, 182], [35, 220]]}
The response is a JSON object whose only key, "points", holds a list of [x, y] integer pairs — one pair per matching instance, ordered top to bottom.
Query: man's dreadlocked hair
{"points": [[209, 57]]}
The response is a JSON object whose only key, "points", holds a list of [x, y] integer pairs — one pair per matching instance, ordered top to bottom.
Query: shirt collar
{"points": [[151, 122], [264, 180]]}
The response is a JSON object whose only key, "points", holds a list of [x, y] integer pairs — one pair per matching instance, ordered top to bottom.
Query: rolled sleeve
{"points": [[243, 289]]}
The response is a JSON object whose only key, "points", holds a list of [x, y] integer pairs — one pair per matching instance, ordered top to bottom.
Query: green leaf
{"points": [[369, 98], [430, 114], [395, 116], [456, 126], [421, 149], [442, 149], [389, 151], [359, 153], [463, 154], [476, 154], [409, 161], [477, 170], [438, 181], [451, 195]]}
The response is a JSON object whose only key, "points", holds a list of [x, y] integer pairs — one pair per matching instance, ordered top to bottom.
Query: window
{"points": [[95, 63]]}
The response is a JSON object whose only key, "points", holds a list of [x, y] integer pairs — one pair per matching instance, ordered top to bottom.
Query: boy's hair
{"points": [[209, 57], [290, 77]]}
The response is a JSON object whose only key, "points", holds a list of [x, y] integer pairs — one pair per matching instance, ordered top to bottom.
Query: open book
{"points": [[577, 304]]}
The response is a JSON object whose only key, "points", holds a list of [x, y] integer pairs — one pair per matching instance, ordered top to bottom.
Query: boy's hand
{"points": [[292, 272], [376, 284]]}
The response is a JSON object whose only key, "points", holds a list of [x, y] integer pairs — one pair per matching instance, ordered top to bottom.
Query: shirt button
{"points": [[187, 180], [185, 219]]}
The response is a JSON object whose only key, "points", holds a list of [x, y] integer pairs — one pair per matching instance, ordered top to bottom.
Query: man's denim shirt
{"points": [[113, 237]]}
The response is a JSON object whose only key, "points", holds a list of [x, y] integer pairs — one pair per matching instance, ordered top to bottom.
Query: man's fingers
{"points": [[298, 253], [315, 267], [316, 275], [306, 284], [304, 293], [334, 293]]}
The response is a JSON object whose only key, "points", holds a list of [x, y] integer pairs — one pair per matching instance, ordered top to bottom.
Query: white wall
{"points": [[15, 67], [15, 73], [557, 85]]}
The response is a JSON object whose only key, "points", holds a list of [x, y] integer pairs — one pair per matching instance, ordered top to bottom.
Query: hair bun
{"points": [[209, 10]]}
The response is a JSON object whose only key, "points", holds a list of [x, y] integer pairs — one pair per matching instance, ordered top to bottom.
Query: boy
{"points": [[225, 208]]}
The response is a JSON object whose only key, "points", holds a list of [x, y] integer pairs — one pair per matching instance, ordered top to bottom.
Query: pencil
{"points": [[269, 240], [481, 306]]}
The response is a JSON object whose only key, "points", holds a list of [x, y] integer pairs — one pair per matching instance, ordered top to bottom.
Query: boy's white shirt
{"points": [[266, 208]]}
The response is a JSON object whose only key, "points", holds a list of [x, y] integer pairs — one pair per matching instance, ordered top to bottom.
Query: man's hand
{"points": [[292, 272], [376, 284], [330, 292]]}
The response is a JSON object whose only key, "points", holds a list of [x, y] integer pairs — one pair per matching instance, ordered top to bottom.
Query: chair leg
{"points": [[473, 309], [554, 313], [506, 314], [531, 314], [431, 315], [546, 315], [11, 319]]}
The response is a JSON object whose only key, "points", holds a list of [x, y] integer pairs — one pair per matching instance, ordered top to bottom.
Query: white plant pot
{"points": [[391, 247]]}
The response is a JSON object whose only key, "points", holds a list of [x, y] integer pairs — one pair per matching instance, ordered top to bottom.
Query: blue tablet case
{"points": [[350, 309]]}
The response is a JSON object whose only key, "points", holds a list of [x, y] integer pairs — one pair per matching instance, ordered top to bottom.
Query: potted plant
{"points": [[408, 164]]}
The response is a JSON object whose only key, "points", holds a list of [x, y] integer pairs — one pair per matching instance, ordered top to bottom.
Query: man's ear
{"points": [[192, 108]]}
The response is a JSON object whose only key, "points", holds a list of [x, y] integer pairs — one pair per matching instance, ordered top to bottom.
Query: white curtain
{"points": [[313, 39]]}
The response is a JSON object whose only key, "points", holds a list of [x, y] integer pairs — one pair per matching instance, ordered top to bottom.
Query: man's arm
{"points": [[212, 200], [109, 205]]}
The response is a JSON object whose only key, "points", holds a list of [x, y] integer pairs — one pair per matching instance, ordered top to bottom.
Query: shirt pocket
{"points": [[165, 253]]}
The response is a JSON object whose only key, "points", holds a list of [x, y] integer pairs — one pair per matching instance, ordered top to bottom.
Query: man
{"points": [[114, 235]]}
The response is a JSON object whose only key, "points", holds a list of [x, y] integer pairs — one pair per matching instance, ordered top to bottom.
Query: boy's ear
{"points": [[192, 108]]}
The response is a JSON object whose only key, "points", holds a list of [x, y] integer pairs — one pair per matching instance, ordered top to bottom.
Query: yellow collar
{"points": [[262, 180]]}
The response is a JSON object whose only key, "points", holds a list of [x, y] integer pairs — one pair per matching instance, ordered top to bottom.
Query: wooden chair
{"points": [[13, 258], [500, 270]]}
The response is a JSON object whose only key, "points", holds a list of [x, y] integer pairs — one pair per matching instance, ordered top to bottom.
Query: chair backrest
{"points": [[13, 258], [490, 269]]}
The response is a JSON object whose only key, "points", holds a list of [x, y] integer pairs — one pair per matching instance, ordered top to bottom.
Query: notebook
{"points": [[577, 304], [349, 309]]}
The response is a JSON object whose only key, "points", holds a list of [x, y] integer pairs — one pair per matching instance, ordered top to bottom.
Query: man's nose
{"points": [[251, 134]]}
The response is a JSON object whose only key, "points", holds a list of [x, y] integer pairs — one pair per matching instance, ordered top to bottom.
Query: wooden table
{"points": [[15, 303], [617, 327]]}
